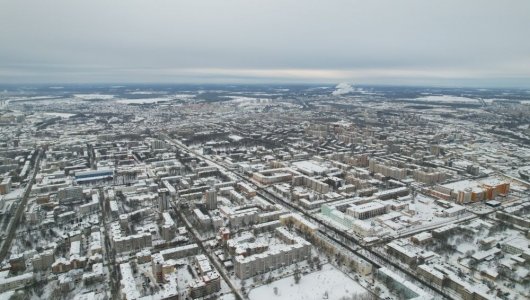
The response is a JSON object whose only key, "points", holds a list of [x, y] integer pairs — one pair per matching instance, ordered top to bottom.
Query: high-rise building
{"points": [[211, 198], [163, 199]]}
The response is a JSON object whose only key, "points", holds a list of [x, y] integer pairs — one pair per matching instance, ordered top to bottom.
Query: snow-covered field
{"points": [[147, 93], [94, 96], [447, 98], [156, 99], [144, 100], [59, 114], [235, 138], [311, 286]]}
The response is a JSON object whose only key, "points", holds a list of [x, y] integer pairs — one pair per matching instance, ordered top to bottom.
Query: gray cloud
{"points": [[391, 42]]}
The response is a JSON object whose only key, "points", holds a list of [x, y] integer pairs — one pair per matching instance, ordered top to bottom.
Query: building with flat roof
{"points": [[94, 177], [5, 185], [368, 210], [296, 249], [14, 282], [409, 290]]}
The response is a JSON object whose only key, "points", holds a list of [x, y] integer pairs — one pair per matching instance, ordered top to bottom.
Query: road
{"points": [[12, 227], [109, 254], [213, 260]]}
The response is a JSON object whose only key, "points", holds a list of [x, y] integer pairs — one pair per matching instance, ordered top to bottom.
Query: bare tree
{"points": [[297, 276]]}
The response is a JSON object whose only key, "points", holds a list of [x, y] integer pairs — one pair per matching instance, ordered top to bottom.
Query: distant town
{"points": [[261, 192]]}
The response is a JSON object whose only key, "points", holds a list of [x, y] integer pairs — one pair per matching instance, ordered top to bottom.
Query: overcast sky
{"points": [[414, 42]]}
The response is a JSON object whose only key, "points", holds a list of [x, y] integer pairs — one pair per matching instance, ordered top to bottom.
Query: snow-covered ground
{"points": [[147, 93], [94, 96], [447, 98], [156, 99], [144, 100], [59, 114], [235, 138], [14, 194], [311, 286], [227, 297]]}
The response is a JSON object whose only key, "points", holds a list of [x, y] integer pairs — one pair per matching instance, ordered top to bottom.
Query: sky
{"points": [[483, 43]]}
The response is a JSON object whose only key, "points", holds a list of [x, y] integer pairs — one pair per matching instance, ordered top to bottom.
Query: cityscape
{"points": [[264, 150], [265, 192]]}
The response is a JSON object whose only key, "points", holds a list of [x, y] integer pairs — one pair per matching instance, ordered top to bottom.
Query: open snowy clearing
{"points": [[448, 98], [311, 286]]}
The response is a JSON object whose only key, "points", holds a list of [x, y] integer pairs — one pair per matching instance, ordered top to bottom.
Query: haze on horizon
{"points": [[410, 42]]}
